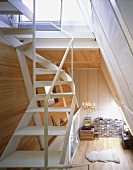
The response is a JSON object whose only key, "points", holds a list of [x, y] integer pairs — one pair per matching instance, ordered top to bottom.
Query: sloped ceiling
{"points": [[117, 52], [83, 58]]}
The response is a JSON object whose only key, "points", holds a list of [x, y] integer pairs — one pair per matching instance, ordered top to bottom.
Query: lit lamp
{"points": [[88, 106]]}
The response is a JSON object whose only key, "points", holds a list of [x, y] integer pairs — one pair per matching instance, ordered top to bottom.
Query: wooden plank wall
{"points": [[92, 86], [13, 98]]}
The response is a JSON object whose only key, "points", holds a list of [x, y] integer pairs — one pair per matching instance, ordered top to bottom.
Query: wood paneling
{"points": [[82, 58], [76, 80], [83, 86], [93, 87], [104, 93], [13, 97], [103, 144]]}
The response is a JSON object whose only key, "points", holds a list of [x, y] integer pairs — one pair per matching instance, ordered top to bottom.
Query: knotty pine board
{"points": [[13, 97]]}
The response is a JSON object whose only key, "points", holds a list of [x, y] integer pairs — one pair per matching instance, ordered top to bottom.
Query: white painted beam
{"points": [[19, 5], [15, 7], [87, 12], [124, 17], [2, 24], [60, 35], [11, 40], [63, 43], [48, 83], [29, 88], [54, 95], [50, 109], [39, 130]]}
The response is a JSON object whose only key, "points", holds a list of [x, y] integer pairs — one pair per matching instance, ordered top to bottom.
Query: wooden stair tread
{"points": [[50, 109], [39, 130], [29, 159]]}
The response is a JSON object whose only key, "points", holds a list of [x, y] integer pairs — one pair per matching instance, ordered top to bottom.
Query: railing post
{"points": [[34, 46], [72, 60], [46, 133]]}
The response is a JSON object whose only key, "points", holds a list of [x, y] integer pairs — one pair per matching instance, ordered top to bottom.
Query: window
{"points": [[46, 10]]}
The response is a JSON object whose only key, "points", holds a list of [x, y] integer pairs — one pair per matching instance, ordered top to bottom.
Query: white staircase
{"points": [[11, 157], [14, 159]]}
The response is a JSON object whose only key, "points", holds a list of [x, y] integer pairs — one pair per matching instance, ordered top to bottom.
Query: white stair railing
{"points": [[46, 105]]}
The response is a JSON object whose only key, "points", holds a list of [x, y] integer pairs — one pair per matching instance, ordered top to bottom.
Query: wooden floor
{"points": [[126, 156]]}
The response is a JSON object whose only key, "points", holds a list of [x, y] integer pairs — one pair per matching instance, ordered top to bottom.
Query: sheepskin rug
{"points": [[110, 155]]}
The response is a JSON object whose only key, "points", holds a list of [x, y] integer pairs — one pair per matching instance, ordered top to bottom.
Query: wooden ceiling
{"points": [[83, 58]]}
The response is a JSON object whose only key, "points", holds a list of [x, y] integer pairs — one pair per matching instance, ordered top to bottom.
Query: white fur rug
{"points": [[110, 155]]}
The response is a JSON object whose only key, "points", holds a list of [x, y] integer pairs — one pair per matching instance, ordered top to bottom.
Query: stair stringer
{"points": [[15, 42], [15, 140]]}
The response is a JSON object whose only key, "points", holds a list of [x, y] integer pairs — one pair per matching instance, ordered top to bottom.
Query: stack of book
{"points": [[108, 127]]}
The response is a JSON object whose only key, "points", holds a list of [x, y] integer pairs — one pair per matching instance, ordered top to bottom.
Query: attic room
{"points": [[66, 86]]}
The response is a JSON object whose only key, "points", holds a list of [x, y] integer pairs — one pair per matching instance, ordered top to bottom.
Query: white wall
{"points": [[127, 14], [116, 51], [92, 86]]}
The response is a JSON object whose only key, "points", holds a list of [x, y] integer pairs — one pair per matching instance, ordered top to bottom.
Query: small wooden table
{"points": [[86, 134]]}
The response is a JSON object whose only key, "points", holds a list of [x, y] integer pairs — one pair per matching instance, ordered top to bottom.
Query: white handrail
{"points": [[49, 93], [66, 138]]}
